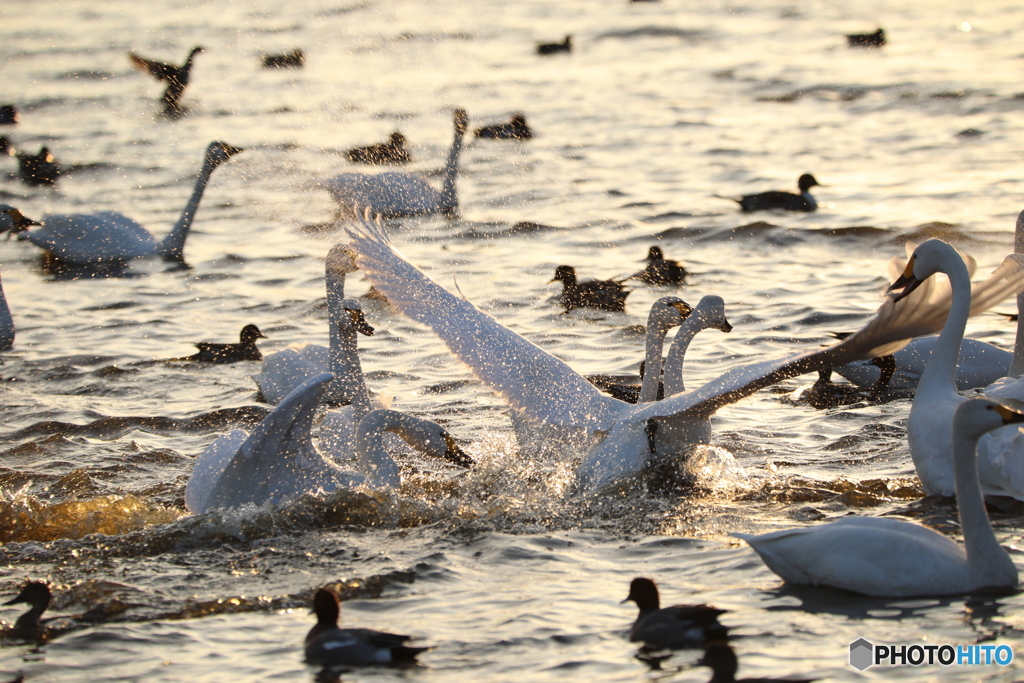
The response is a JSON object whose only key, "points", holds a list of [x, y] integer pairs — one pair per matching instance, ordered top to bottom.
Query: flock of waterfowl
{"points": [[967, 447]]}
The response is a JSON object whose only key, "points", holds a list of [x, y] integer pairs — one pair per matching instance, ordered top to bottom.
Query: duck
{"points": [[876, 39], [555, 48], [295, 59], [175, 76], [8, 115], [515, 129], [391, 152], [38, 169], [395, 195], [776, 199], [89, 239], [660, 270], [605, 295], [6, 323], [245, 349], [284, 370], [824, 394], [614, 438], [277, 462], [891, 558], [29, 626], [672, 627], [329, 645], [724, 665]]}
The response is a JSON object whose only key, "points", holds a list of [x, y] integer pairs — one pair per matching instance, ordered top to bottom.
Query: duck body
{"points": [[876, 39], [564, 47], [295, 59], [176, 77], [8, 115], [515, 129], [391, 152], [38, 169], [393, 194], [786, 201], [109, 236], [660, 270], [605, 295], [245, 349], [893, 558], [672, 627], [329, 645]]}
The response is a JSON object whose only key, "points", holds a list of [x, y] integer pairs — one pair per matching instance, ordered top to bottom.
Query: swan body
{"points": [[394, 194], [787, 201], [108, 236], [6, 323], [979, 365], [284, 370], [615, 436], [277, 461], [893, 558], [670, 627], [328, 645]]}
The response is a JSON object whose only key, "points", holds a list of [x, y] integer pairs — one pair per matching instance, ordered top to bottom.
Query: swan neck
{"points": [[449, 195], [172, 247], [6, 323], [677, 352], [652, 362], [1017, 362], [940, 371], [349, 385], [373, 460], [983, 549]]}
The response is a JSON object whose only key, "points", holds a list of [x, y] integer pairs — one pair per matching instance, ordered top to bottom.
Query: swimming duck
{"points": [[876, 39], [555, 48], [295, 59], [175, 76], [8, 115], [515, 129], [391, 152], [38, 169], [394, 194], [776, 199], [106, 236], [660, 270], [606, 295], [6, 323], [245, 349], [614, 437], [277, 462], [896, 559], [29, 626], [671, 627], [329, 645], [724, 665]]}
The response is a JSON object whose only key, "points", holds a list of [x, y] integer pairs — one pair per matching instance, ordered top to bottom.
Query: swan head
{"points": [[461, 119], [219, 152], [806, 182], [19, 223], [929, 258], [341, 260], [566, 274], [712, 310], [671, 311], [355, 312], [250, 333], [977, 416], [434, 440]]}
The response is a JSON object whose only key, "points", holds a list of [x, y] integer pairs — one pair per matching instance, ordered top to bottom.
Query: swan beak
{"points": [[229, 150], [20, 221], [908, 281], [684, 308], [726, 326], [362, 327], [1009, 416], [458, 456]]}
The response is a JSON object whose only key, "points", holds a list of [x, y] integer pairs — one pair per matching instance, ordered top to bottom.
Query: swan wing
{"points": [[86, 238], [284, 370], [529, 378], [209, 468]]}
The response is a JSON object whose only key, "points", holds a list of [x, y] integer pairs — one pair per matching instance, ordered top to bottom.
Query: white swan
{"points": [[395, 194], [105, 236], [666, 313], [709, 313], [6, 323], [284, 370], [936, 398], [616, 435], [277, 461], [892, 558]]}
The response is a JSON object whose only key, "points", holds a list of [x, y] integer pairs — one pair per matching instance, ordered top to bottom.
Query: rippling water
{"points": [[659, 108]]}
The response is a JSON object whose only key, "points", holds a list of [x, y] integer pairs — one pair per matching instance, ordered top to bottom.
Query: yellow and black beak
{"points": [[908, 282], [684, 308], [362, 327], [1009, 415], [456, 454]]}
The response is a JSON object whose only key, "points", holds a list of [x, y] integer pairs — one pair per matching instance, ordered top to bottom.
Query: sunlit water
{"points": [[506, 572]]}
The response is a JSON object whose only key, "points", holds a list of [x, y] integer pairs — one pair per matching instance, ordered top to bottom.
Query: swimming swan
{"points": [[394, 194], [105, 236], [284, 370], [617, 435], [277, 461], [896, 559]]}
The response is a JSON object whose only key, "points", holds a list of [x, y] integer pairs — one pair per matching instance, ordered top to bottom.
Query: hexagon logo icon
{"points": [[862, 654]]}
